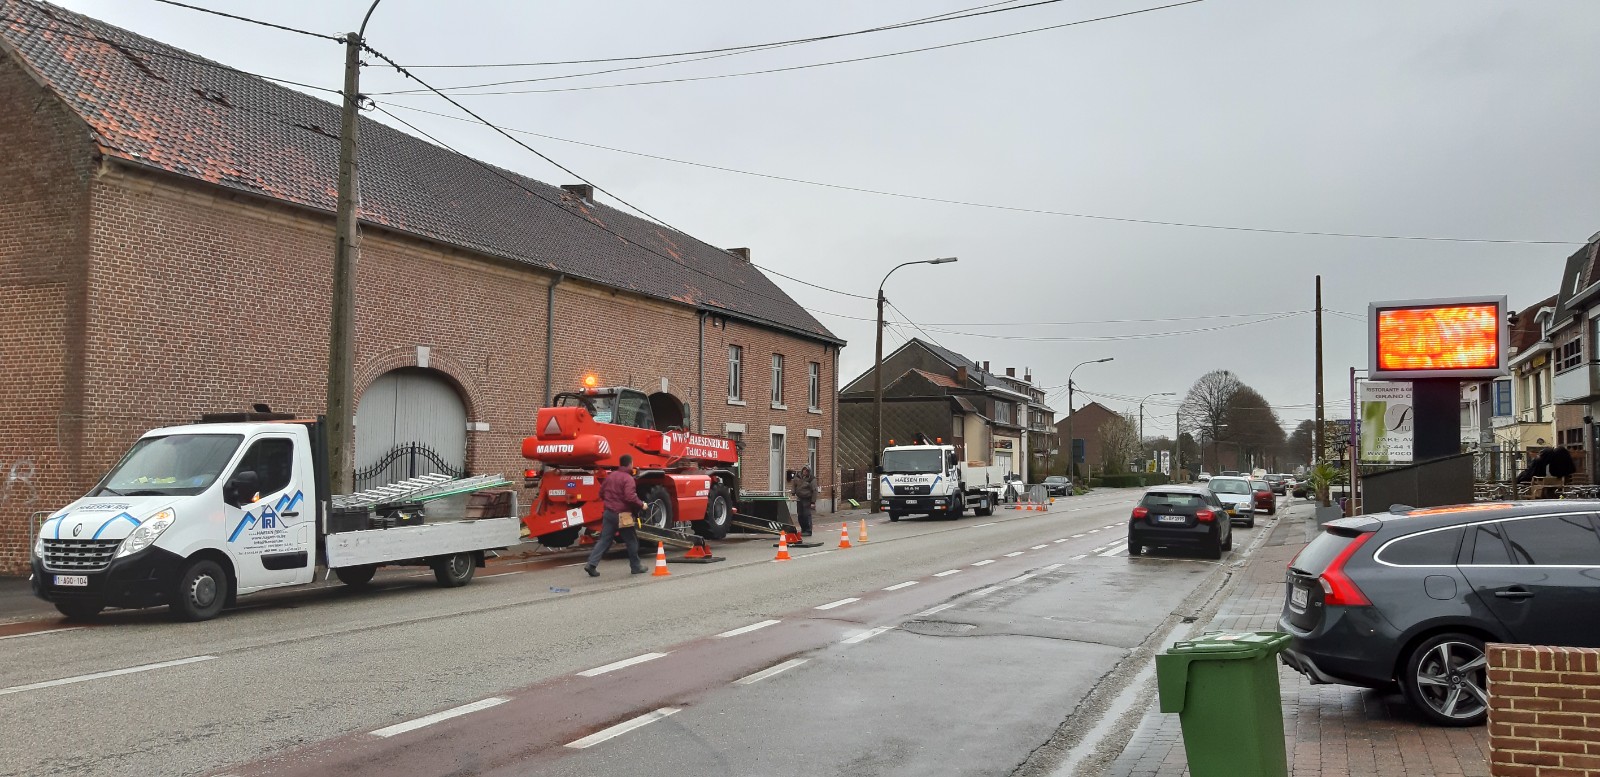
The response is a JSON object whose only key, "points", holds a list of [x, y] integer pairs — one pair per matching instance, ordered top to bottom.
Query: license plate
{"points": [[1171, 519], [76, 581], [1297, 598]]}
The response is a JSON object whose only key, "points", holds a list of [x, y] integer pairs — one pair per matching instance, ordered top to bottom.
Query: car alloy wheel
{"points": [[1448, 680]]}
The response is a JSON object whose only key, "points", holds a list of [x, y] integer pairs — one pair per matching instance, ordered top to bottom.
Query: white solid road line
{"points": [[1037, 547], [1115, 550], [1014, 555], [1075, 558], [983, 562], [573, 564], [1052, 567], [946, 573], [503, 574], [1020, 578], [898, 586], [984, 591], [840, 603], [933, 610], [746, 629], [37, 633], [865, 635], [623, 664], [770, 671], [97, 675], [453, 712], [622, 728]]}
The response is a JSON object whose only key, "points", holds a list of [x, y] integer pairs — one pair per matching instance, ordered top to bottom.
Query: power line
{"points": [[252, 21], [770, 44], [736, 51], [839, 61], [989, 205], [913, 323], [1113, 338]]}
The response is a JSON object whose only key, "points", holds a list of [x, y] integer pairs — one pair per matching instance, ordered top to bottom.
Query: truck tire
{"points": [[958, 506], [985, 507], [657, 508], [718, 514], [561, 539], [454, 571], [358, 576], [201, 592], [80, 609]]}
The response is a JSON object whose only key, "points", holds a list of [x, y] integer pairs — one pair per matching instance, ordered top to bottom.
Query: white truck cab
{"points": [[928, 479], [193, 516]]}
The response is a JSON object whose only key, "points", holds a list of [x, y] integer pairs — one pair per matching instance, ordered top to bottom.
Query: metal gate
{"points": [[409, 422], [404, 462]]}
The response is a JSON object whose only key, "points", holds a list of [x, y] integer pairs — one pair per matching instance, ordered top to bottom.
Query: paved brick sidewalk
{"points": [[1329, 730]]}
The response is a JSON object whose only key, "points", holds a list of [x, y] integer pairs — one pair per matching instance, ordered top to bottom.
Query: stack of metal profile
{"points": [[419, 489]]}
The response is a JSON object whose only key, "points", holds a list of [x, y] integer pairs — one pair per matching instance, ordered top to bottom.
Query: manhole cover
{"points": [[937, 628]]}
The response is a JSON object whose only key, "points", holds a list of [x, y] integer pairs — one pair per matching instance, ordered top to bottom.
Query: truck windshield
{"points": [[913, 462], [180, 464]]}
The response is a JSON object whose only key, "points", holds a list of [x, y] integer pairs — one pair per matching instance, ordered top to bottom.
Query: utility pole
{"points": [[346, 250], [877, 385], [1316, 435], [1177, 443]]}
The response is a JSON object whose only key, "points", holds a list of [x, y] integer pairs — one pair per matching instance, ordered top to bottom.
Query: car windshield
{"points": [[913, 462], [179, 464], [1055, 479], [1229, 486]]}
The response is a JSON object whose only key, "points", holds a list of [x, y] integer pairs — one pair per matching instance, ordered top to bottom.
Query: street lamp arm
{"points": [[362, 33], [942, 260]]}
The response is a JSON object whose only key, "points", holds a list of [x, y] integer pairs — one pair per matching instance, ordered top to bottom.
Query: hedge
{"points": [[1130, 480]]}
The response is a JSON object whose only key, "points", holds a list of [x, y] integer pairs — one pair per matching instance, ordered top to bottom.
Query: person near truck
{"points": [[804, 490], [618, 494]]}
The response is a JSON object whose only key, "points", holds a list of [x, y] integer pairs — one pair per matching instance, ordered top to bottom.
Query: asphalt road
{"points": [[936, 648]]}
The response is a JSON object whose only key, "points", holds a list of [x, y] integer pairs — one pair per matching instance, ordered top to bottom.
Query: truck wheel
{"points": [[958, 505], [985, 507], [657, 508], [715, 525], [561, 539], [454, 571], [356, 577], [202, 590], [80, 609]]}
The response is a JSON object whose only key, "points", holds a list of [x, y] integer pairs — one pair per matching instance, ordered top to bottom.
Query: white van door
{"points": [[270, 526]]}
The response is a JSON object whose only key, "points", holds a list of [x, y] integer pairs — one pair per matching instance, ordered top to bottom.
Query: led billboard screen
{"points": [[1442, 338]]}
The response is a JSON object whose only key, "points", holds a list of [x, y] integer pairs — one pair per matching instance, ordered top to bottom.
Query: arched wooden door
{"points": [[409, 422]]}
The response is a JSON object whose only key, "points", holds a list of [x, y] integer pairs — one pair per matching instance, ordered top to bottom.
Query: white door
{"points": [[402, 413], [1002, 459], [776, 469], [270, 528]]}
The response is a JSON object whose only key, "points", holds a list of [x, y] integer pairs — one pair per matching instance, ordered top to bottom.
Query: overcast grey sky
{"points": [[1450, 118]]}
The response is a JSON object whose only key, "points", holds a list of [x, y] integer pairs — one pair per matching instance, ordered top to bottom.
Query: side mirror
{"points": [[239, 488]]}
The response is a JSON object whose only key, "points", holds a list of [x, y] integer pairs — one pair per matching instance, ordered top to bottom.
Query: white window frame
{"points": [[735, 374], [777, 382], [814, 387], [813, 450]]}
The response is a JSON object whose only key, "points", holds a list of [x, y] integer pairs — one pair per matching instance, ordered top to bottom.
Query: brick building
{"points": [[166, 236], [1086, 423]]}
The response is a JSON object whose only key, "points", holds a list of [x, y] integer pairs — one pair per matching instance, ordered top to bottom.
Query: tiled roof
{"points": [[154, 105], [1527, 332], [938, 380]]}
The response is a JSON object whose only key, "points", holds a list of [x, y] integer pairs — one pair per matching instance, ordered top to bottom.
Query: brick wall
{"points": [[44, 174], [193, 299], [1544, 711]]}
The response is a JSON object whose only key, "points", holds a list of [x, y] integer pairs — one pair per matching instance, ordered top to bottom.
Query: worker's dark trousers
{"points": [[805, 517], [608, 528]]}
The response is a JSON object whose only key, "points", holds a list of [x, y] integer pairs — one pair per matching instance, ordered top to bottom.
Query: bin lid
{"points": [[1172, 667]]}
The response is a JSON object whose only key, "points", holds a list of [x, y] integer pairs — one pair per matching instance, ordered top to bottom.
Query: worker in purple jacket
{"points": [[618, 494]]}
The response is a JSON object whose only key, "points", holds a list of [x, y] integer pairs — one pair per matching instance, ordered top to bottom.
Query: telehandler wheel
{"points": [[657, 508], [718, 514], [561, 539], [454, 571], [356, 577], [79, 609]]}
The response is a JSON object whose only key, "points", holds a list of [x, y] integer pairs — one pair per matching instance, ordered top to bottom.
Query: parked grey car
{"points": [[1407, 599]]}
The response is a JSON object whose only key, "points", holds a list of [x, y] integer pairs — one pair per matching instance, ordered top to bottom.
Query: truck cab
{"points": [[930, 479]]}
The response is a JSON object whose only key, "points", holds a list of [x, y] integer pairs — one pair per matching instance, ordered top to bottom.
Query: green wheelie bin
{"points": [[1224, 687]]}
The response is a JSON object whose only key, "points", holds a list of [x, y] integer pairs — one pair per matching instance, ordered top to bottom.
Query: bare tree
{"points": [[1207, 405], [1253, 426], [1119, 442], [1301, 442]]}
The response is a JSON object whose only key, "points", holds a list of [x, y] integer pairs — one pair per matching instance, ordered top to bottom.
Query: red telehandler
{"points": [[688, 482]]}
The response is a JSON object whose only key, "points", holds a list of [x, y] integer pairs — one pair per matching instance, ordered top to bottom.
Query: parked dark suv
{"points": [[1180, 517], [1408, 599]]}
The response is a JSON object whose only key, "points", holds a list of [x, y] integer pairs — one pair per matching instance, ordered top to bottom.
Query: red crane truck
{"points": [[688, 482]]}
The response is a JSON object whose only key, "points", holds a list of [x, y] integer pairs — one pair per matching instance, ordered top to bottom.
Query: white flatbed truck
{"points": [[928, 479], [194, 516]]}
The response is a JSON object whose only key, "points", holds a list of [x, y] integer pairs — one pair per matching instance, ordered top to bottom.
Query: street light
{"points": [[877, 381], [1141, 415], [1072, 448]]}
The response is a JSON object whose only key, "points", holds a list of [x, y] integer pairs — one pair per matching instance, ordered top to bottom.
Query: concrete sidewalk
{"points": [[1329, 729]]}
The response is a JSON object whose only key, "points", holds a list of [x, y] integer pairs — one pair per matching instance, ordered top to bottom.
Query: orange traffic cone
{"points": [[863, 530], [844, 535], [783, 547], [661, 561]]}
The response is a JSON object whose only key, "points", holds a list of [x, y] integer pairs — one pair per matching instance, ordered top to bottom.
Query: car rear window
{"points": [[1260, 485], [1157, 499], [1562, 540], [1489, 548], [1428, 549], [1321, 552]]}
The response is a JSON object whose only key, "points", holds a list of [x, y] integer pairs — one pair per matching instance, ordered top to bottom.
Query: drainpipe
{"points": [[550, 336], [700, 389], [833, 440]]}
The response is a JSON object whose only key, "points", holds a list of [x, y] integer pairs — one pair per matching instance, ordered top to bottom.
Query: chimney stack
{"points": [[583, 190], [742, 253], [985, 366], [1011, 372], [1027, 374], [961, 376]]}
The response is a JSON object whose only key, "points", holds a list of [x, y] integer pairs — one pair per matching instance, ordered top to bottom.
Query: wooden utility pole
{"points": [[346, 250], [1317, 441]]}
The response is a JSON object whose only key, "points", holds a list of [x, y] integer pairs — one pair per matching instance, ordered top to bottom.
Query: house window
{"points": [[1570, 355], [735, 372], [777, 379], [814, 386], [1502, 397], [1002, 412], [738, 440], [811, 453]]}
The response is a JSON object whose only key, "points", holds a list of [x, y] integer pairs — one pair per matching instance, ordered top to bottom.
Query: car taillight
{"points": [[1140, 512], [1205, 516], [1338, 590]]}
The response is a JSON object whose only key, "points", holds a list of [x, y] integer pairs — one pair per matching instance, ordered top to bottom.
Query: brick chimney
{"points": [[583, 190], [742, 253], [985, 366], [1011, 372], [1027, 374], [961, 376]]}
